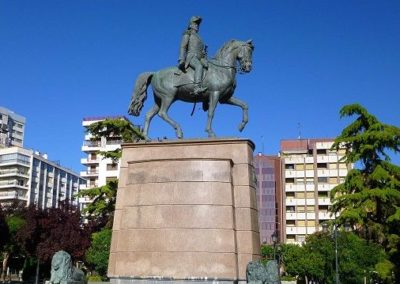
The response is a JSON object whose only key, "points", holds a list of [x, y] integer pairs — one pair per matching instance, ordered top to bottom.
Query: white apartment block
{"points": [[12, 128], [98, 170], [310, 170], [29, 177]]}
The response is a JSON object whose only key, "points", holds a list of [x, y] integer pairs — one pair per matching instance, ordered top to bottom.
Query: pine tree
{"points": [[369, 199], [101, 209]]}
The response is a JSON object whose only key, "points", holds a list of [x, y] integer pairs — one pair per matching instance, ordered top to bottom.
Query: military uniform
{"points": [[192, 53]]}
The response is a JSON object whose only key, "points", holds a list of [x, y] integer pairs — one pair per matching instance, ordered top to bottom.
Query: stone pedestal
{"points": [[186, 212]]}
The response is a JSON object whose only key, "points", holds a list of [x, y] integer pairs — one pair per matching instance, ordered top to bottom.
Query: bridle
{"points": [[238, 66]]}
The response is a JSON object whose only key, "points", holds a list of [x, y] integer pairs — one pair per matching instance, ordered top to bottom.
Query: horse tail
{"points": [[139, 94]]}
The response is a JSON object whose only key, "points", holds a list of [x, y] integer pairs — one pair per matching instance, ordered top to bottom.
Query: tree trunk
{"points": [[6, 256], [37, 272]]}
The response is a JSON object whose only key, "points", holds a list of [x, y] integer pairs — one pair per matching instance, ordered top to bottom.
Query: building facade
{"points": [[12, 129], [98, 170], [310, 170], [29, 177], [269, 196]]}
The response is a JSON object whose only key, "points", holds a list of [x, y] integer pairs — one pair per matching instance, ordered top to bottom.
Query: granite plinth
{"points": [[186, 212]]}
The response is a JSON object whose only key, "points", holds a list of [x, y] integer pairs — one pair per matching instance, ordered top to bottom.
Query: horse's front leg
{"points": [[213, 100], [236, 102]]}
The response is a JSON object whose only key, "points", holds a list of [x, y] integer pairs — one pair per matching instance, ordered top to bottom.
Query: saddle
{"points": [[186, 78]]}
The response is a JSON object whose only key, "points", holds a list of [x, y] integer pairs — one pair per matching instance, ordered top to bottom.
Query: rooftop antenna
{"points": [[299, 129], [262, 144]]}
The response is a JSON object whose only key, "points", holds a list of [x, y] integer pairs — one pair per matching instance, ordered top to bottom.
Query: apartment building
{"points": [[12, 128], [98, 170], [310, 170], [30, 178], [269, 196]]}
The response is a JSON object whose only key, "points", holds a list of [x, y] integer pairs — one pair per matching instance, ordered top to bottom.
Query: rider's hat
{"points": [[195, 19]]}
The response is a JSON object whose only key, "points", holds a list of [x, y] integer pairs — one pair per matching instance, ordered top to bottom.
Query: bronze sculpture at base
{"points": [[63, 272]]}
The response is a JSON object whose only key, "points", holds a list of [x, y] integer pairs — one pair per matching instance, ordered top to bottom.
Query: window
{"points": [[321, 151], [322, 165], [289, 166], [309, 166], [332, 166], [342, 166], [112, 167], [299, 167], [268, 171], [110, 179], [323, 179], [289, 180], [299, 180], [333, 180], [289, 194], [322, 194], [300, 195], [310, 195], [310, 208], [290, 209], [301, 209], [290, 223], [301, 223], [311, 223]]}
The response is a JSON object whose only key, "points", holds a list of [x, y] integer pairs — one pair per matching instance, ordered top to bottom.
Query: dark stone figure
{"points": [[192, 53], [217, 86], [63, 272], [258, 273]]}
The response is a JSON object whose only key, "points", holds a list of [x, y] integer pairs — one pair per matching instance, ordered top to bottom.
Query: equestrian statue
{"points": [[195, 79]]}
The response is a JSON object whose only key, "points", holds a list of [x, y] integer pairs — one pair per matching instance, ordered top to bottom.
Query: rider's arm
{"points": [[183, 47]]}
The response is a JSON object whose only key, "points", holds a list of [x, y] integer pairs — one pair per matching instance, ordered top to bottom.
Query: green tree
{"points": [[369, 199], [101, 210], [13, 221], [98, 253], [315, 259]]}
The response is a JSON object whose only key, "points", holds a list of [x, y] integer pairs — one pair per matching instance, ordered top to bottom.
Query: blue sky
{"points": [[62, 61]]}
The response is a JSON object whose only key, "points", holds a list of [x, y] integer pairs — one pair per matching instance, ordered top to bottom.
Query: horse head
{"points": [[237, 51], [245, 56]]}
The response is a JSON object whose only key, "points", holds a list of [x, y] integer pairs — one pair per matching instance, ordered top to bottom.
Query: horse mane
{"points": [[229, 45], [225, 48]]}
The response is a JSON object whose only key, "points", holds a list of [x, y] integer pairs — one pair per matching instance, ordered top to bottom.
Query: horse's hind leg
{"points": [[236, 102], [165, 104], [149, 116]]}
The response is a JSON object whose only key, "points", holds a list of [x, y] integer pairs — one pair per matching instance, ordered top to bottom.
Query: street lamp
{"points": [[325, 230]]}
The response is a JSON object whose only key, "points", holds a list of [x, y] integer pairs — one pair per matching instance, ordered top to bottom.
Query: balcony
{"points": [[91, 146], [85, 161], [15, 162], [13, 172], [89, 173], [12, 183], [12, 195], [324, 201], [324, 215]]}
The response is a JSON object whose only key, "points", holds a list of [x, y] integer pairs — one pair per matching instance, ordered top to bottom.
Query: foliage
{"points": [[119, 128], [369, 199], [101, 210], [14, 221], [50, 230], [5, 234], [267, 251], [98, 253], [315, 260], [94, 278]]}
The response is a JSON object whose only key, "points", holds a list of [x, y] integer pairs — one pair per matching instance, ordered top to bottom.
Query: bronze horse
{"points": [[172, 84]]}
